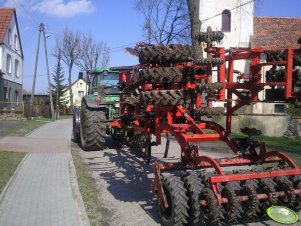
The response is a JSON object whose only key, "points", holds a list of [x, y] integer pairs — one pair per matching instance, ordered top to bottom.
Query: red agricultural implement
{"points": [[171, 93]]}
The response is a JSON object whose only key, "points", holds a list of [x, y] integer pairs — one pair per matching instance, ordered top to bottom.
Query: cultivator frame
{"points": [[165, 97]]}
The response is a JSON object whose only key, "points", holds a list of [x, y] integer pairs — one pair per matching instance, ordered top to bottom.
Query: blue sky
{"points": [[115, 22]]}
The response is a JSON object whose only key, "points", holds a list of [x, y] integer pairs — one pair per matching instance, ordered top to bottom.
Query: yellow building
{"points": [[79, 89]]}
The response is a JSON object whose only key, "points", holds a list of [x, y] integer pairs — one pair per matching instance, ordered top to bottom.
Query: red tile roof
{"points": [[5, 18], [276, 32]]}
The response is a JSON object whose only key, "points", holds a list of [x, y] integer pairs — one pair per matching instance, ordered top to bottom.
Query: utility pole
{"points": [[41, 30], [35, 72], [48, 75]]}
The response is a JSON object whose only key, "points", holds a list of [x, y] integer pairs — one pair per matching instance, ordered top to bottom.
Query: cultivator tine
{"points": [[166, 146]]}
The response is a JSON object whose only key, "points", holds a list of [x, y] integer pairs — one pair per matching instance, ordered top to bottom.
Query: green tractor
{"points": [[98, 107]]}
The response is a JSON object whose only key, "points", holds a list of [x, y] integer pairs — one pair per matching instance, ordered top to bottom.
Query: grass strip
{"points": [[289, 145], [9, 161], [88, 190]]}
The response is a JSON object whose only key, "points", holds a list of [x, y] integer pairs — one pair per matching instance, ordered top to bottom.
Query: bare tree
{"points": [[193, 8], [165, 20], [70, 50], [93, 54]]}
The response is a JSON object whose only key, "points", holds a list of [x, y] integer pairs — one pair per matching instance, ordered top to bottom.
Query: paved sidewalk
{"points": [[44, 190]]}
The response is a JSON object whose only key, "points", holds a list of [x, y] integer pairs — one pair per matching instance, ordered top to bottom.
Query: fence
{"points": [[17, 107], [38, 108]]}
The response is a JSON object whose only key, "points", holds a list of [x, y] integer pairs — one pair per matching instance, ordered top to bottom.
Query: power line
{"points": [[239, 6], [27, 14], [119, 48]]}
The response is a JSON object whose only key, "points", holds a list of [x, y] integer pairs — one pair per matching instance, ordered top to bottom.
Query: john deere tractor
{"points": [[99, 106]]}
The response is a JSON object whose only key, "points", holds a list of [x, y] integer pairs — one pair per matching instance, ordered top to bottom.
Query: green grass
{"points": [[65, 117], [19, 128], [291, 146], [9, 161], [87, 187]]}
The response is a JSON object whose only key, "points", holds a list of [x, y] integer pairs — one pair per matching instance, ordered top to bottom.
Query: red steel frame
{"points": [[192, 131]]}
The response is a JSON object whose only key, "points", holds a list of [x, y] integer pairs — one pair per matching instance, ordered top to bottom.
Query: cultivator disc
{"points": [[237, 201]]}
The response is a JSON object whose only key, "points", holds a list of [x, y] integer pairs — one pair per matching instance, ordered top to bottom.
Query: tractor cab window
{"points": [[109, 80]]}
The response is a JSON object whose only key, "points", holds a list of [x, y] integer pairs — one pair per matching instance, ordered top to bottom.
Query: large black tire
{"points": [[165, 54], [163, 97], [92, 130], [194, 187], [176, 214]]}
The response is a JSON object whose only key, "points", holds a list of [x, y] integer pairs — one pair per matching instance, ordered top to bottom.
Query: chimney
{"points": [[80, 75]]}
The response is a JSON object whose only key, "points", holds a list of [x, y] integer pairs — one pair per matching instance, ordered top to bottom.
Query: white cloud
{"points": [[61, 9]]}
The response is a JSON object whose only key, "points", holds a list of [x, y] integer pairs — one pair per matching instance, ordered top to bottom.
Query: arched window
{"points": [[226, 20], [9, 37], [16, 42]]}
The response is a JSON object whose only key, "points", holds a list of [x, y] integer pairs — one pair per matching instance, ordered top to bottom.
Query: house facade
{"points": [[11, 61], [79, 89]]}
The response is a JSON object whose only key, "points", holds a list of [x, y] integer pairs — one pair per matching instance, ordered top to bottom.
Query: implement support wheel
{"points": [[194, 187], [176, 212]]}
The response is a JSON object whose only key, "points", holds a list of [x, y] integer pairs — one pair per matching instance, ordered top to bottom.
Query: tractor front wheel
{"points": [[92, 129]]}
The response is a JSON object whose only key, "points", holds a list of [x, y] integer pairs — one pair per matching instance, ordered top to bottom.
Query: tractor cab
{"points": [[102, 77]]}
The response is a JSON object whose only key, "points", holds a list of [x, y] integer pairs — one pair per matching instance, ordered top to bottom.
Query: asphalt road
{"points": [[124, 181]]}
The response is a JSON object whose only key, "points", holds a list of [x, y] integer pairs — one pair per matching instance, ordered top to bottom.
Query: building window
{"points": [[226, 20], [9, 37], [16, 42], [8, 64], [17, 74], [80, 93], [5, 94], [9, 95], [16, 98], [279, 108]]}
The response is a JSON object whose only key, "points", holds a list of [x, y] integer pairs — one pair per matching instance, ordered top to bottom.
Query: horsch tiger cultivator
{"points": [[171, 93]]}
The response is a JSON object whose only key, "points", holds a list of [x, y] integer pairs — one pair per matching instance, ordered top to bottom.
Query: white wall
{"points": [[241, 20], [241, 23], [239, 36], [14, 53], [269, 125]]}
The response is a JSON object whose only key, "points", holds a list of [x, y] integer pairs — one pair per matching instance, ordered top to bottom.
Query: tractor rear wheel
{"points": [[92, 130]]}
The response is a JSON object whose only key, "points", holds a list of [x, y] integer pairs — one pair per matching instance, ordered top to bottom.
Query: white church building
{"points": [[235, 18]]}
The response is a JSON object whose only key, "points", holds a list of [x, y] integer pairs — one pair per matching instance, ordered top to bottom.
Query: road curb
{"points": [[12, 178], [77, 195]]}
